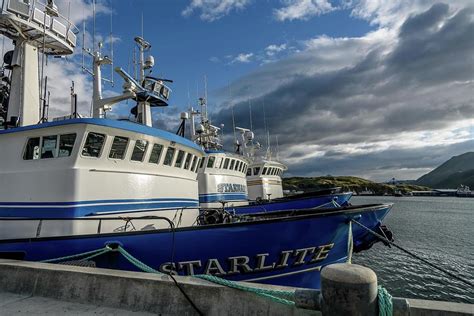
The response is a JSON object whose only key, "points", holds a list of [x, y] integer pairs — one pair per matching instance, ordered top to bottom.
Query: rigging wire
{"points": [[414, 255]]}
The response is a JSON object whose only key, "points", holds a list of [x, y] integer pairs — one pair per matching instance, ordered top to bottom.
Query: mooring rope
{"points": [[350, 243], [92, 253], [415, 255], [283, 297], [384, 302]]}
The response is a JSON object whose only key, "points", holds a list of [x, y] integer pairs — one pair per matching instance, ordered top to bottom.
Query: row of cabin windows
{"points": [[95, 141], [51, 146], [54, 146], [225, 163], [267, 171]]}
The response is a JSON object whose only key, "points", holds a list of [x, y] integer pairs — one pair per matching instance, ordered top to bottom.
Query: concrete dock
{"points": [[30, 288]]}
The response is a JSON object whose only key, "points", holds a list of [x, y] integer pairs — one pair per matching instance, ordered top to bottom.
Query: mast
{"points": [[30, 36], [143, 108], [250, 113], [268, 153]]}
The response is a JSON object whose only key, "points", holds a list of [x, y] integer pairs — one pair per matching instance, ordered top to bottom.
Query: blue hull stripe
{"points": [[215, 197], [95, 202], [90, 208]]}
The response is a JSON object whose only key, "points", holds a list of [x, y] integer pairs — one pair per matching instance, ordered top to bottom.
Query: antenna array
{"points": [[92, 52]]}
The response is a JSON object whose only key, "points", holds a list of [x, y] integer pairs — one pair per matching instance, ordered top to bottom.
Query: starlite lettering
{"points": [[230, 187], [244, 264]]}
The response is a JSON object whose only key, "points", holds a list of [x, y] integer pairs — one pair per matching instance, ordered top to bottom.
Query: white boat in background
{"points": [[85, 167], [264, 174], [221, 175]]}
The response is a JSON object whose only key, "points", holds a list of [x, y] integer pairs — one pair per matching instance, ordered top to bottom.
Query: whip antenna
{"points": [[111, 49], [250, 113], [233, 117]]}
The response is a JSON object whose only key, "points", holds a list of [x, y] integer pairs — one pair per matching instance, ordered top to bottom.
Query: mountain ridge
{"points": [[451, 174]]}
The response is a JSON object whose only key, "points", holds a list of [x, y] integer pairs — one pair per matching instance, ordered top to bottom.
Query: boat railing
{"points": [[38, 13], [43, 227]]}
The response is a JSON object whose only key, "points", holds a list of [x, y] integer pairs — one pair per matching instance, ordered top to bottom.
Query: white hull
{"points": [[219, 184], [79, 186]]}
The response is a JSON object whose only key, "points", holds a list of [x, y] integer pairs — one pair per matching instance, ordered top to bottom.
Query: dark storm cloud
{"points": [[428, 54], [421, 81], [382, 166]]}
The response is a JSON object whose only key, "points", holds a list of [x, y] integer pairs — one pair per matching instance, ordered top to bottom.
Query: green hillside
{"points": [[454, 172], [348, 183]]}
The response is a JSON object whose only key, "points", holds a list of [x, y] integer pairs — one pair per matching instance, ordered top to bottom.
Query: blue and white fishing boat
{"points": [[85, 167], [221, 175], [245, 182], [264, 182], [76, 185], [280, 248]]}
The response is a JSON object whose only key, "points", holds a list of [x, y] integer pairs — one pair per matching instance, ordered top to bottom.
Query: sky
{"points": [[370, 88]]}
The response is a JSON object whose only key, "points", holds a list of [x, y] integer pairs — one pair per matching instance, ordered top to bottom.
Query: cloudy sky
{"points": [[378, 89]]}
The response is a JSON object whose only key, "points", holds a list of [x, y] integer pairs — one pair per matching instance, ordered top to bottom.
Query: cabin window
{"points": [[66, 144], [93, 145], [119, 147], [48, 148], [32, 149], [139, 150], [156, 153], [169, 156], [179, 159], [195, 159], [210, 161], [187, 162], [218, 162], [232, 162], [201, 163], [221, 163], [226, 163], [237, 165], [197, 167], [242, 167], [244, 170], [249, 171], [256, 171], [264, 171], [272, 171], [277, 171]]}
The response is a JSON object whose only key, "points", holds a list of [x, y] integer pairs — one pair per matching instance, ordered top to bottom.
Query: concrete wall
{"points": [[27, 287], [132, 291]]}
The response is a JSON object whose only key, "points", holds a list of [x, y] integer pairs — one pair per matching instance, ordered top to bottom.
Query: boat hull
{"points": [[325, 201], [281, 249]]}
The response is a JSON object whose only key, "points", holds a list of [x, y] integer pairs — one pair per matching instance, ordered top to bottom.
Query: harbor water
{"points": [[439, 229]]}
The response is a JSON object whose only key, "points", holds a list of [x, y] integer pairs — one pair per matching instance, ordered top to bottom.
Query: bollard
{"points": [[348, 289], [308, 299]]}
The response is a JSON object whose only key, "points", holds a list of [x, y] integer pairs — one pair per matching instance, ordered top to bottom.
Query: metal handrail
{"points": [[42, 6], [127, 220]]}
